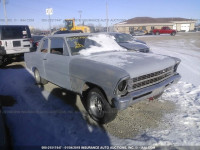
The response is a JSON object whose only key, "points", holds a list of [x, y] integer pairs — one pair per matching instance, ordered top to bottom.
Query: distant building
{"points": [[148, 23]]}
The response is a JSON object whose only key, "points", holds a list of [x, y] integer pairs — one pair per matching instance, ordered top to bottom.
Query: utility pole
{"points": [[49, 12], [80, 12], [5, 13], [106, 16], [50, 23]]}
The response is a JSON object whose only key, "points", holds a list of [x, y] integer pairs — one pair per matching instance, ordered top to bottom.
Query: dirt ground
{"points": [[138, 118]]}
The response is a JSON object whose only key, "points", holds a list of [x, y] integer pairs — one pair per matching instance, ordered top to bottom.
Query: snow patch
{"points": [[106, 42]]}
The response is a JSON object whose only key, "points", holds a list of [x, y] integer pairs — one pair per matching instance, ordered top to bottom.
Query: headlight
{"points": [[176, 65], [122, 86]]}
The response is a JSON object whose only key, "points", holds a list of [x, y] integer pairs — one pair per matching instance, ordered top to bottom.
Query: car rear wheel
{"points": [[157, 33], [38, 79], [98, 107]]}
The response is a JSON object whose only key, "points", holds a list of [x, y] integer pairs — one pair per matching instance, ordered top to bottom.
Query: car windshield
{"points": [[120, 38], [86, 45]]}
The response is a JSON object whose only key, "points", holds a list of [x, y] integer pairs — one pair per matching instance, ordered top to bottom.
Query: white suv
{"points": [[14, 40]]}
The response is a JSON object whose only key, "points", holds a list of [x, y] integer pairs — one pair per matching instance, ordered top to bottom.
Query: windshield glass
{"points": [[69, 24], [120, 38], [86, 45]]}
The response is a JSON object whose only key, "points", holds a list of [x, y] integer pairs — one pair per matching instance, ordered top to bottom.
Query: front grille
{"points": [[150, 79]]}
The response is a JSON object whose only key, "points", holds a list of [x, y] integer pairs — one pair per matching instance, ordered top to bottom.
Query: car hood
{"points": [[132, 45], [134, 63]]}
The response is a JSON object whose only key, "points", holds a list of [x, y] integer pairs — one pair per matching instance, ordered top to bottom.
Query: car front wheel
{"points": [[98, 107]]}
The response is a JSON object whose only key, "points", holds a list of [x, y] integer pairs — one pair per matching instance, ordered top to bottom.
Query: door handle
{"points": [[44, 59]]}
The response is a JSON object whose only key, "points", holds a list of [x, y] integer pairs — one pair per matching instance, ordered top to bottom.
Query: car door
{"points": [[167, 30], [162, 31], [40, 56], [56, 63]]}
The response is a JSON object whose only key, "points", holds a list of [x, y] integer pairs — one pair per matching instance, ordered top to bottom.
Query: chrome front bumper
{"points": [[145, 93]]}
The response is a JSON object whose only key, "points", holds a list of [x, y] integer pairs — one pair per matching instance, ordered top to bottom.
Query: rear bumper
{"points": [[16, 51], [145, 93]]}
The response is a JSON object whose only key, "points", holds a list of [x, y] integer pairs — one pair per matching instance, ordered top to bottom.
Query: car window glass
{"points": [[15, 32], [123, 38], [77, 44], [58, 46], [44, 48]]}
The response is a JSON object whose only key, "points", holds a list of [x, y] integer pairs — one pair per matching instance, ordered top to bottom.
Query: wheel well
{"points": [[33, 69], [88, 86]]}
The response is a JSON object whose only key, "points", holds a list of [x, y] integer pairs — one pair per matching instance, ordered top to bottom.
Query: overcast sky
{"points": [[32, 12]]}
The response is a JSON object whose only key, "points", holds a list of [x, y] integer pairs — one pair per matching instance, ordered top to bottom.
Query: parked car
{"points": [[164, 30], [138, 32], [14, 40], [36, 40], [130, 43], [108, 77]]}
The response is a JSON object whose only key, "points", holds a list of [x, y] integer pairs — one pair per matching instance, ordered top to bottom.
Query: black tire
{"points": [[157, 33], [173, 33], [2, 61], [38, 79], [98, 107]]}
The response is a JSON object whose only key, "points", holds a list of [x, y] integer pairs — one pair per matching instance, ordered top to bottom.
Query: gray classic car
{"points": [[130, 43], [108, 77]]}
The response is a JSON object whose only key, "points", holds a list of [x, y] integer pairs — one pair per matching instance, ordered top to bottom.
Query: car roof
{"points": [[73, 34], [82, 34]]}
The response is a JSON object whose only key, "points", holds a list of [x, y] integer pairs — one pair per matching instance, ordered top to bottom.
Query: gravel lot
{"points": [[137, 118]]}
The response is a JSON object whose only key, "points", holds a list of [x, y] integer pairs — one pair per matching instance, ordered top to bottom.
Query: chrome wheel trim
{"points": [[37, 76], [96, 106]]}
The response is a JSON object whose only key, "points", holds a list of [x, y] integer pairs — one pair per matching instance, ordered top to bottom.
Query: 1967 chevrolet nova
{"points": [[107, 76]]}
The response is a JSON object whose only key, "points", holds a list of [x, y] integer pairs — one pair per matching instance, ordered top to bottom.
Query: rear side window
{"points": [[15, 32], [58, 46], [44, 48]]}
